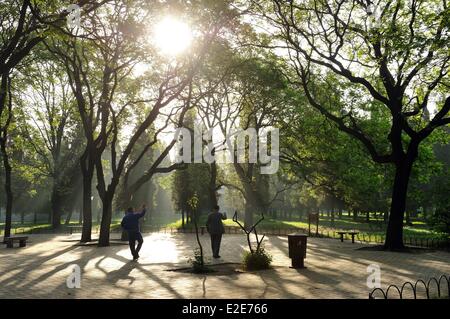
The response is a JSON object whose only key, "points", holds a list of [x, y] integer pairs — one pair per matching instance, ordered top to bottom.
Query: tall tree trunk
{"points": [[87, 169], [213, 183], [8, 188], [125, 197], [253, 204], [56, 208], [248, 214], [332, 214], [80, 215], [69, 217], [182, 219], [105, 224], [394, 232]]}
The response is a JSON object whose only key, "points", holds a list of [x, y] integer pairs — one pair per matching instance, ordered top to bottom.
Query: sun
{"points": [[172, 36]]}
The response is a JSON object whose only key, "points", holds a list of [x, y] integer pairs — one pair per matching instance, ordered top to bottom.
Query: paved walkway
{"points": [[334, 269]]}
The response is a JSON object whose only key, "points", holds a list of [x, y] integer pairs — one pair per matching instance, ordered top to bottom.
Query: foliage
{"points": [[98, 84], [192, 181], [440, 220], [258, 260]]}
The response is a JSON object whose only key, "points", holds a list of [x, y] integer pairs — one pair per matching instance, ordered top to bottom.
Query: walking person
{"points": [[130, 223], [215, 228]]}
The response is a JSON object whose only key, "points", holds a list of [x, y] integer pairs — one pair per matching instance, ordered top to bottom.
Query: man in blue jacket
{"points": [[130, 223]]}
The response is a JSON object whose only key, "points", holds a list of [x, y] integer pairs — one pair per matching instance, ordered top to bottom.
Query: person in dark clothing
{"points": [[130, 223], [215, 228]]}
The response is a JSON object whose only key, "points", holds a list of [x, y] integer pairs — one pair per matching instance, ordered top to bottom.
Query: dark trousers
{"points": [[134, 236], [215, 243]]}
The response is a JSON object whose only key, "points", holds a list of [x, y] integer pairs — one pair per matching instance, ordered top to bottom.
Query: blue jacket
{"points": [[130, 222]]}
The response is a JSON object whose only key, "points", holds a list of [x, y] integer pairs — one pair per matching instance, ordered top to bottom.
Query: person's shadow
{"points": [[123, 273]]}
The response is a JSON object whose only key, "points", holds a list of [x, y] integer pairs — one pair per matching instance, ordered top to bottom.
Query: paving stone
{"points": [[334, 269]]}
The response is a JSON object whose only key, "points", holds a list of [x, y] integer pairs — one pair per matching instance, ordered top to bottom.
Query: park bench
{"points": [[76, 228], [352, 233], [9, 241]]}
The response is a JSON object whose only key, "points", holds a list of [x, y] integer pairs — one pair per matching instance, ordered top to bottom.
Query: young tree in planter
{"points": [[392, 56], [256, 258], [199, 265]]}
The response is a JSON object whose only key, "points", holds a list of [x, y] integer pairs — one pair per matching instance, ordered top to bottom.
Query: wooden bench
{"points": [[75, 227], [352, 233], [9, 241]]}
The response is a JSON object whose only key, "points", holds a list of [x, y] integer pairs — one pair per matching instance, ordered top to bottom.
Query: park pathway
{"points": [[334, 269]]}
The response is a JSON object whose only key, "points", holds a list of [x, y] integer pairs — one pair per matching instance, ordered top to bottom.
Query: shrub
{"points": [[440, 220], [257, 260]]}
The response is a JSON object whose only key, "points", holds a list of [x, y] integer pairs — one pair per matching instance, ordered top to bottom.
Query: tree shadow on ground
{"points": [[315, 279]]}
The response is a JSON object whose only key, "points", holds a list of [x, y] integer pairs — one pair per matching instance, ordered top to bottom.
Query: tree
{"points": [[24, 25], [117, 46], [394, 63], [244, 91], [6, 114], [48, 123], [192, 181], [125, 198], [193, 206]]}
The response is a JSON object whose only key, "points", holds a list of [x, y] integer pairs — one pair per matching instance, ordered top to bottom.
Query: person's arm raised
{"points": [[142, 213]]}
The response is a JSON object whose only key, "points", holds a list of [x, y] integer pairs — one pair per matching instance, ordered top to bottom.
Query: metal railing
{"points": [[433, 243], [432, 285]]}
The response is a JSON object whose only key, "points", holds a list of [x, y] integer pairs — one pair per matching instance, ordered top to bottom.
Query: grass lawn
{"points": [[19, 228], [375, 228]]}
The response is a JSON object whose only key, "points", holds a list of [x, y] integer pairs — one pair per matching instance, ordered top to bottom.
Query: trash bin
{"points": [[297, 249]]}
